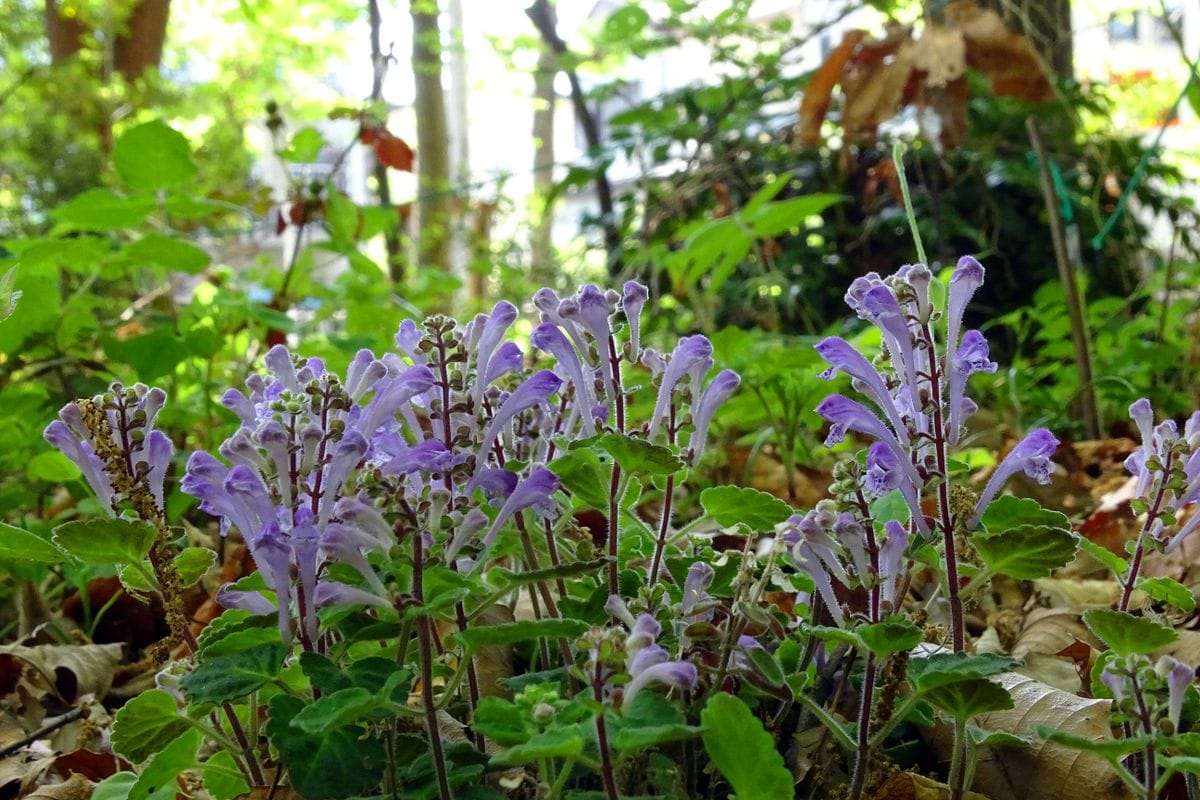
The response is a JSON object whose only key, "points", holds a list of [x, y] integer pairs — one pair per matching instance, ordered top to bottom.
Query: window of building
{"points": [[1123, 27]]}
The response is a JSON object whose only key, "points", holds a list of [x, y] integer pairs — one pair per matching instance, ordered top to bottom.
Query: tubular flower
{"points": [[689, 351], [972, 357], [717, 392], [1031, 455]]}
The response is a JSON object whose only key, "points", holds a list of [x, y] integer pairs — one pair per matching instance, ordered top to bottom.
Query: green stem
{"points": [[898, 150], [828, 721], [956, 759]]}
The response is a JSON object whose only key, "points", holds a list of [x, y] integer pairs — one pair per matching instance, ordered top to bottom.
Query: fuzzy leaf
{"points": [[153, 156], [639, 457], [583, 476], [731, 505], [1008, 512], [106, 541], [19, 543], [1026, 552], [1168, 591], [512, 632], [1127, 634], [893, 635], [944, 669], [235, 675], [964, 699], [334, 710], [144, 724], [561, 741], [744, 753], [341, 763], [164, 767]]}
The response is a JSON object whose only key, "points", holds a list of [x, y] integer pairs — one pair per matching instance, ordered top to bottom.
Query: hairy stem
{"points": [[1136, 565], [424, 632], [606, 765]]}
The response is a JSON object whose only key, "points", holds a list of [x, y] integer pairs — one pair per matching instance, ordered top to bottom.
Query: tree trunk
{"points": [[1047, 25], [137, 44], [379, 67], [433, 151], [540, 242]]}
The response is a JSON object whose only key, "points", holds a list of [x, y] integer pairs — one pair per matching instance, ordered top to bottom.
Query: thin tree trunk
{"points": [[541, 14], [379, 66], [433, 152], [540, 244], [463, 250]]}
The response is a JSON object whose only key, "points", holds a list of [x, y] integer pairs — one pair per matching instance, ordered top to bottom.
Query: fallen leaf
{"points": [[815, 102], [67, 671], [907, 786], [76, 787]]}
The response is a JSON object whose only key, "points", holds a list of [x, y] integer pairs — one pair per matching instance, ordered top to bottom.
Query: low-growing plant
{"points": [[472, 577]]}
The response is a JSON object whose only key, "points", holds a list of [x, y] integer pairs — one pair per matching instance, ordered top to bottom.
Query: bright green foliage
{"points": [[733, 505], [106, 541], [1127, 634], [235, 675], [145, 723], [743, 752]]}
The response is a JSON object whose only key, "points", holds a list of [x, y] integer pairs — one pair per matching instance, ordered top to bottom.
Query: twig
{"points": [[76, 713]]}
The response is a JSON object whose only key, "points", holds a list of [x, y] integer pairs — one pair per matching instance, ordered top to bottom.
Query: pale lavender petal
{"points": [[967, 278], [633, 299], [498, 322], [548, 338], [688, 351], [841, 355], [972, 357], [507, 358], [279, 361], [535, 390], [716, 393], [845, 415], [157, 450], [81, 454], [1032, 454], [535, 489], [891, 560], [330, 593], [254, 602], [675, 674]]}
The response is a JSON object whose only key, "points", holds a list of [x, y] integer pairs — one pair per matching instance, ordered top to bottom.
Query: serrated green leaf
{"points": [[153, 156], [101, 210], [171, 254], [639, 457], [582, 474], [731, 505], [1008, 512], [106, 541], [21, 544], [1026, 552], [193, 563], [1117, 565], [502, 577], [1168, 591], [523, 631], [1127, 634], [892, 635], [943, 669], [233, 676], [965, 699], [335, 710], [500, 720], [145, 724], [985, 738], [560, 741], [1111, 749], [744, 753], [342, 763], [164, 766], [222, 778], [115, 787]]}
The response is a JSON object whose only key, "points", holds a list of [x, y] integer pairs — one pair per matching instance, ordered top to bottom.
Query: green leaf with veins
{"points": [[153, 156], [639, 457], [733, 505], [1008, 512], [106, 541], [21, 544], [1026, 552], [1168, 591], [523, 631], [1127, 634], [892, 635], [944, 669], [235, 675], [965, 699], [144, 723], [560, 742], [1111, 749], [743, 751], [343, 762], [164, 766]]}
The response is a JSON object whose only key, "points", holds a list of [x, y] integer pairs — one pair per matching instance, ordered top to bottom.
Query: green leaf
{"points": [[305, 146], [153, 156], [101, 210], [779, 217], [169, 253], [9, 295], [153, 354], [639, 457], [51, 466], [583, 476], [731, 505], [1008, 512], [106, 541], [18, 543], [1027, 552], [193, 563], [1117, 565], [504, 577], [1168, 591], [512, 632], [1127, 634], [893, 635], [766, 666], [943, 669], [235, 675], [964, 699], [334, 710], [501, 720], [649, 721], [145, 723], [985, 738], [561, 741], [1112, 749], [744, 752], [342, 763], [1189, 764], [164, 767], [217, 778], [115, 787]]}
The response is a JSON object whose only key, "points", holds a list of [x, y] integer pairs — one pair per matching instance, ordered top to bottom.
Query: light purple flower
{"points": [[918, 277], [967, 278], [633, 298], [884, 310], [497, 324], [549, 338], [688, 351], [841, 355], [972, 357], [507, 358], [279, 362], [362, 374], [535, 390], [717, 392], [390, 394], [845, 415], [157, 452], [81, 454], [1032, 454], [427, 455], [884, 473], [535, 491], [472, 523], [305, 542], [814, 552], [891, 560], [695, 592], [331, 593], [253, 602], [674, 674], [1179, 677], [1115, 682]]}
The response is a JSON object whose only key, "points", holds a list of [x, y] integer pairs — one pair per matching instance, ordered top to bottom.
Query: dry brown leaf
{"points": [[942, 54], [1004, 56], [875, 91], [815, 102], [1078, 595], [1049, 630], [66, 671], [1046, 771], [18, 774], [907, 786], [76, 787]]}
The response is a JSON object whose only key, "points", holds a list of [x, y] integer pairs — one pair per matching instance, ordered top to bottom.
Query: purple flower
{"points": [[918, 277], [967, 278], [633, 298], [590, 310], [884, 310], [502, 316], [548, 338], [408, 340], [688, 352], [842, 356], [972, 357], [507, 358], [279, 362], [362, 373], [535, 390], [717, 392], [390, 394], [845, 415], [157, 453], [81, 454], [1032, 454], [427, 455], [346, 456], [884, 473], [497, 484], [535, 491], [472, 523], [305, 542], [347, 544], [814, 553], [891, 560], [695, 592], [330, 593], [253, 602], [643, 633], [675, 674], [1179, 677], [1115, 682]]}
